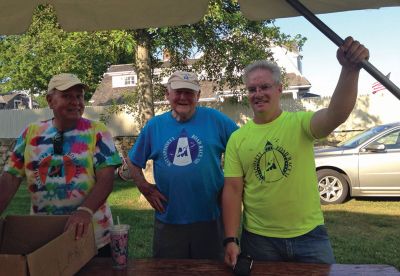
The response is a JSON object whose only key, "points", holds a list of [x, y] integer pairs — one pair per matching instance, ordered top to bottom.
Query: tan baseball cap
{"points": [[182, 79], [64, 81]]}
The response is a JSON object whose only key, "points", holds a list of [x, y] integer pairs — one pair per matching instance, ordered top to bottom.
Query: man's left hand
{"points": [[351, 53], [79, 221]]}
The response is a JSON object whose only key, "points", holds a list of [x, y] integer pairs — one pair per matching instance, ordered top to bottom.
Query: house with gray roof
{"points": [[122, 78], [17, 100]]}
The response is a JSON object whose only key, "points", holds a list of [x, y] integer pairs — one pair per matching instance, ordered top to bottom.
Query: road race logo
{"points": [[183, 151], [272, 164]]}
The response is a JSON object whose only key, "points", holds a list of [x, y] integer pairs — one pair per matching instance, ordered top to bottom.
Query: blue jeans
{"points": [[312, 247]]}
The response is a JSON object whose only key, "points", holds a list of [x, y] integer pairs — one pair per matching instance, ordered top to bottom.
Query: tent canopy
{"points": [[92, 15], [96, 15]]}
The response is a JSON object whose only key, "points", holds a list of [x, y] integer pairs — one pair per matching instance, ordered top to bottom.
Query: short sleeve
{"points": [[305, 119], [229, 127], [140, 151], [105, 152], [16, 162], [232, 164]]}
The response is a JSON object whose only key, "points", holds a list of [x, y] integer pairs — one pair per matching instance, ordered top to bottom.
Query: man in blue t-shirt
{"points": [[186, 145]]}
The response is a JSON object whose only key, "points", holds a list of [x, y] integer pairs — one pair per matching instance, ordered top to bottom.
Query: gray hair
{"points": [[263, 65]]}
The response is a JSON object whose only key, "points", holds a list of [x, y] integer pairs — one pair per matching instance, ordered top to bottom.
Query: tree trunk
{"points": [[143, 71], [145, 89]]}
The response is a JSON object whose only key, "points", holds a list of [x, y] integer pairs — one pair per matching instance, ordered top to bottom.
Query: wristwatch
{"points": [[230, 239]]}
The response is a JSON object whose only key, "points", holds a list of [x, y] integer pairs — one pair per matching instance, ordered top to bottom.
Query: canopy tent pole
{"points": [[372, 70]]}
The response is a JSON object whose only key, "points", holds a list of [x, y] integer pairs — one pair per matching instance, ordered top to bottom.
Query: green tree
{"points": [[226, 40], [28, 61], [41, 100]]}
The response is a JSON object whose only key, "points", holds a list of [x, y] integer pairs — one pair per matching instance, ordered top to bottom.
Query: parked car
{"points": [[366, 165]]}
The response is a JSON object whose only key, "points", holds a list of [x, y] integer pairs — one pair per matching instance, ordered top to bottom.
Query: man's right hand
{"points": [[153, 196], [232, 251]]}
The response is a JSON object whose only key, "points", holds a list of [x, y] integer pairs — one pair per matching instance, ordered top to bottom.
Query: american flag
{"points": [[377, 86]]}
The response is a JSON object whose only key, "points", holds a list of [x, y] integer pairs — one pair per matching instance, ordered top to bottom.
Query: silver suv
{"points": [[366, 165]]}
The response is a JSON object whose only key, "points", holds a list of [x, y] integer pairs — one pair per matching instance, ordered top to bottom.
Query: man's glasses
{"points": [[263, 88], [58, 141]]}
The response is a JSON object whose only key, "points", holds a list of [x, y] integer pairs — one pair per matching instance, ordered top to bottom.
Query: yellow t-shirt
{"points": [[276, 161]]}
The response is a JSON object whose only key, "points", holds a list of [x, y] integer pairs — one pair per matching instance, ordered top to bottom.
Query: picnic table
{"points": [[165, 267]]}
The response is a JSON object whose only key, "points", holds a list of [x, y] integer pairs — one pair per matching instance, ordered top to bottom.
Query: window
{"points": [[124, 81], [130, 81], [18, 104], [391, 140]]}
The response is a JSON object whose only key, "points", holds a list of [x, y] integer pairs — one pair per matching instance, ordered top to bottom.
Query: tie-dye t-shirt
{"points": [[59, 183]]}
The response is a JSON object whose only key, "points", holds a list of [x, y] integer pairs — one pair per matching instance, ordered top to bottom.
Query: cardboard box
{"points": [[38, 245]]}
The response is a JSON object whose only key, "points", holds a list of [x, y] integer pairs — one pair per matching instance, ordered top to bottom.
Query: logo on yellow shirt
{"points": [[272, 164]]}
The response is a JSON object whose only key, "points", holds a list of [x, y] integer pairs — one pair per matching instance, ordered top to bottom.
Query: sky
{"points": [[378, 30]]}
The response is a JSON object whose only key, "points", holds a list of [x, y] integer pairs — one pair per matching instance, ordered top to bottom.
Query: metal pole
{"points": [[372, 70]]}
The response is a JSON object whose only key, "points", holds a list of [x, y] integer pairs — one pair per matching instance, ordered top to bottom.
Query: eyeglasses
{"points": [[263, 88], [58, 141]]}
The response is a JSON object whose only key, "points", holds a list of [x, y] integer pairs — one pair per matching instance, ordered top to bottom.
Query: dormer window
{"points": [[124, 81]]}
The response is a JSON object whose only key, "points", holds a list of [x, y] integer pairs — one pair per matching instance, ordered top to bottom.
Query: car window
{"points": [[362, 137], [390, 140]]}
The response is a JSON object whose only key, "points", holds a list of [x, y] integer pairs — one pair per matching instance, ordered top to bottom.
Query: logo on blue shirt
{"points": [[183, 151]]}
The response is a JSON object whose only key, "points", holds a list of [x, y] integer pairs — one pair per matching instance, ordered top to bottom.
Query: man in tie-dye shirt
{"points": [[68, 162]]}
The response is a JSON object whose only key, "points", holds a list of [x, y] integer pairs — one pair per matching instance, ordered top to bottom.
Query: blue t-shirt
{"points": [[187, 162]]}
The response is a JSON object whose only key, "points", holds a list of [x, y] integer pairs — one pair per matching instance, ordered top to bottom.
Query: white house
{"points": [[122, 78]]}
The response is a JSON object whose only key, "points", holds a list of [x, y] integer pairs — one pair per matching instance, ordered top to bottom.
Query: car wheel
{"points": [[333, 187]]}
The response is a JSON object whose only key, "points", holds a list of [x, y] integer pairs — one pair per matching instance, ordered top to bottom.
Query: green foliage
{"points": [[224, 40], [28, 61], [41, 100]]}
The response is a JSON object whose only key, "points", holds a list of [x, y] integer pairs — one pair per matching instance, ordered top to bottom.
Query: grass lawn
{"points": [[362, 231]]}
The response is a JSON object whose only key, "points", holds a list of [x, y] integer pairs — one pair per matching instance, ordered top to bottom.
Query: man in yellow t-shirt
{"points": [[269, 166]]}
